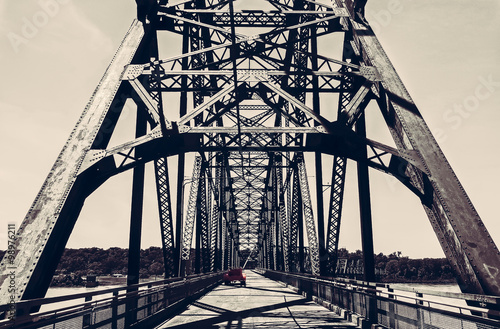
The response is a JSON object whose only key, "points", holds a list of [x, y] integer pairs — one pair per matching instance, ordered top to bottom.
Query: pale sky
{"points": [[446, 52]]}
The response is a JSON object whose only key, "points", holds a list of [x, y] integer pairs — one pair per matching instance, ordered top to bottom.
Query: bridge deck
{"points": [[263, 303]]}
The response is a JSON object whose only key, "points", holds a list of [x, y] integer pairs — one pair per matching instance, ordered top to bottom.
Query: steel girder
{"points": [[272, 73], [157, 118], [318, 159], [338, 172], [416, 184], [136, 209], [223, 218], [275, 219], [283, 220], [215, 222], [295, 222], [166, 225], [188, 227], [46, 228], [202, 229], [312, 237], [466, 243]]}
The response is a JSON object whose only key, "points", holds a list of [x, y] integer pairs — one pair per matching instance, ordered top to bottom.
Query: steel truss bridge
{"points": [[248, 85]]}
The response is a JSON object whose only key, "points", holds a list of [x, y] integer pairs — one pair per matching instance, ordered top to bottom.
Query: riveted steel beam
{"points": [[250, 108], [188, 229], [45, 230], [463, 237]]}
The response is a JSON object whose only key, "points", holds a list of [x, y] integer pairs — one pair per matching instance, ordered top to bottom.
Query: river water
{"points": [[64, 291], [437, 301]]}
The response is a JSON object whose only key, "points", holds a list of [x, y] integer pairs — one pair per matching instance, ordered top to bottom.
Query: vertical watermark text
{"points": [[11, 270]]}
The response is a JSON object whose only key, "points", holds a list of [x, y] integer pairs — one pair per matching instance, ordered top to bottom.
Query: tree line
{"points": [[97, 261], [390, 268], [397, 268]]}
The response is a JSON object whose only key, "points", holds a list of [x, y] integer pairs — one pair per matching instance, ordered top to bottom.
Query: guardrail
{"points": [[374, 304], [136, 306]]}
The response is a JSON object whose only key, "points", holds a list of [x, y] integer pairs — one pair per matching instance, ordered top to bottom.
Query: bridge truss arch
{"points": [[249, 84]]}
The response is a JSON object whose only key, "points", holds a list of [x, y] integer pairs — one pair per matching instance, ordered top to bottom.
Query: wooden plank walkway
{"points": [[263, 303]]}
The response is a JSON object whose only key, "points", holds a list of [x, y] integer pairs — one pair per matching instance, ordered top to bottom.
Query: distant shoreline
{"points": [[110, 266], [110, 280]]}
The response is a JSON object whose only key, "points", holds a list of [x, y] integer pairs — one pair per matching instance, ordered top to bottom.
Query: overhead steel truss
{"points": [[248, 118]]}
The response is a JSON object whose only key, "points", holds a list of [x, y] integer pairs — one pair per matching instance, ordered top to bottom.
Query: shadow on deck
{"points": [[263, 303]]}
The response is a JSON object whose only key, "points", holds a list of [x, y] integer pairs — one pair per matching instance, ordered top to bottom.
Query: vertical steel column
{"points": [[197, 60], [181, 159], [338, 169], [161, 170], [161, 175], [365, 209], [165, 210], [335, 212], [308, 216], [223, 218], [215, 219], [295, 220], [200, 221], [203, 222], [220, 223], [227, 224], [300, 225], [270, 226], [264, 227], [290, 229], [284, 231], [234, 233], [187, 236], [260, 237], [229, 241], [266, 245], [227, 247], [134, 251], [229, 252], [277, 252], [323, 255], [232, 259], [179, 269]]}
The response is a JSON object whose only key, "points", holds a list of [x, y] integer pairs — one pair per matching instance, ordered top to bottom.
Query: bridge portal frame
{"points": [[210, 68]]}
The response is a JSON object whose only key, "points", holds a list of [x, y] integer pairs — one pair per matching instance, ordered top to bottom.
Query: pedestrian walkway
{"points": [[263, 303]]}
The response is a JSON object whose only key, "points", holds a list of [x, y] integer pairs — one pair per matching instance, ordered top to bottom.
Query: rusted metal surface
{"points": [[43, 234]]}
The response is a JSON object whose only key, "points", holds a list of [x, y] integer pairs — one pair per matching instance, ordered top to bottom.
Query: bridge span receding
{"points": [[249, 116], [269, 300], [262, 303]]}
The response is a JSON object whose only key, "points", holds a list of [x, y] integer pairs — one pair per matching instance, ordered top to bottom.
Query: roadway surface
{"points": [[263, 303]]}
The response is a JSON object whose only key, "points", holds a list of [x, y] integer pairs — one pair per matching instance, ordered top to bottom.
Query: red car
{"points": [[235, 275]]}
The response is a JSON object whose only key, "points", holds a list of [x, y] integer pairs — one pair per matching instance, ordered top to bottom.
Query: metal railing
{"points": [[379, 304], [137, 306]]}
